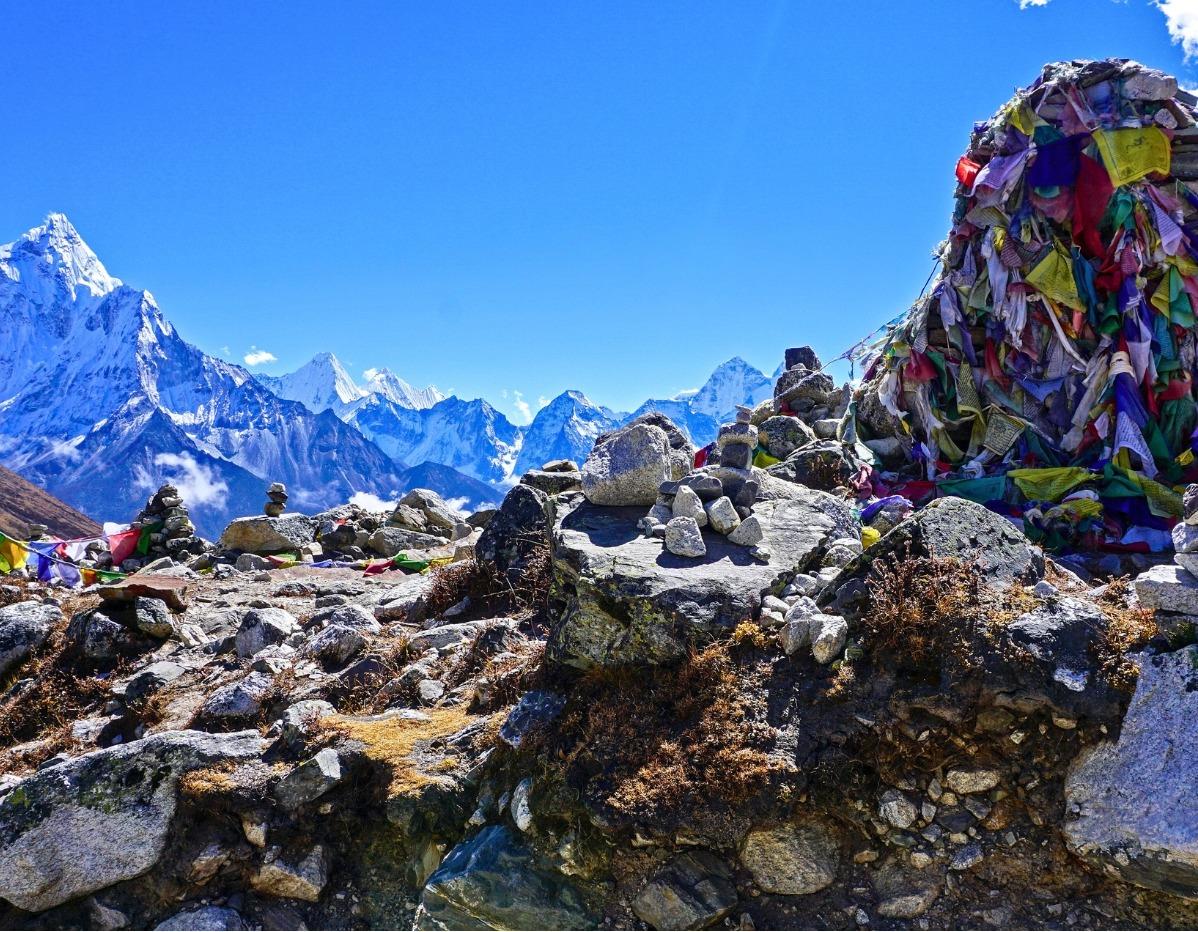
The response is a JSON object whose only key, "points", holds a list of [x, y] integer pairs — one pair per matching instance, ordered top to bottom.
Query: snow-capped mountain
{"points": [[732, 383], [323, 384], [387, 384], [101, 400], [565, 429], [470, 436]]}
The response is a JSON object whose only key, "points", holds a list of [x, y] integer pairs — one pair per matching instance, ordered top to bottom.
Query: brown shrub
{"points": [[491, 592], [921, 607], [1127, 630], [664, 743]]}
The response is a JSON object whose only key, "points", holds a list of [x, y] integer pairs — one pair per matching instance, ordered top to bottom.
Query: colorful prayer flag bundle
{"points": [[1057, 346]]}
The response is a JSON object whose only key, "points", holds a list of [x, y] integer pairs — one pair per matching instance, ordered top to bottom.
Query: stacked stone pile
{"points": [[276, 502], [171, 532], [1171, 589]]}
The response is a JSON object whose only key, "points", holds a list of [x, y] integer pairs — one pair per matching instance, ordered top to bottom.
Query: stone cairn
{"points": [[719, 495], [276, 500], [172, 533]]}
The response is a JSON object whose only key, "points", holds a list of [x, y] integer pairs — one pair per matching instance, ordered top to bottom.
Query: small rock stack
{"points": [[719, 495], [277, 500], [171, 532], [1171, 589]]}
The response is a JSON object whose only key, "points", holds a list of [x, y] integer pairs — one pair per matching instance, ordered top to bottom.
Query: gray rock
{"points": [[782, 434], [822, 464], [627, 467], [552, 483], [687, 505], [436, 512], [722, 516], [409, 518], [518, 529], [748, 533], [261, 534], [684, 539], [388, 541], [251, 562], [1168, 588], [407, 601], [628, 602], [348, 616], [152, 617], [24, 627], [261, 627], [461, 632], [828, 636], [333, 646], [152, 679], [239, 700], [536, 709], [299, 718], [310, 780], [967, 780], [1132, 799], [896, 808], [102, 818], [965, 858], [792, 859], [301, 878], [494, 881], [692, 891], [905, 893], [214, 918]]}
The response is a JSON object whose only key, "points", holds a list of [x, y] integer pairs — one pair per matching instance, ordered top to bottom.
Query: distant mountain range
{"points": [[101, 401]]}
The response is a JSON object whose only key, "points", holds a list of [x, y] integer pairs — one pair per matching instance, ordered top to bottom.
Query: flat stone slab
{"points": [[1168, 588], [170, 589], [629, 601]]}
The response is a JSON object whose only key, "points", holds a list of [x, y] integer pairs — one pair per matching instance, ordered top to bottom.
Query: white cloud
{"points": [[1024, 4], [1181, 19], [257, 357], [370, 373], [542, 401], [522, 406], [66, 450], [196, 483], [371, 502], [459, 506]]}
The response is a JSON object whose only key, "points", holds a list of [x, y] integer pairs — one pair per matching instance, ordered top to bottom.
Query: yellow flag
{"points": [[1130, 154], [1053, 277], [1049, 483], [12, 555]]}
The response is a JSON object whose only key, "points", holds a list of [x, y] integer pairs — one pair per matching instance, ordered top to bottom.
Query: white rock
{"points": [[688, 505], [722, 515], [748, 532], [684, 539], [1168, 588], [828, 636]]}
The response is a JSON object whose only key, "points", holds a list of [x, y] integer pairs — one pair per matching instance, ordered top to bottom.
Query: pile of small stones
{"points": [[719, 495], [173, 534]]}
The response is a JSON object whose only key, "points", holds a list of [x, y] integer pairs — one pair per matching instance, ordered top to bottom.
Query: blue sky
{"points": [[525, 197]]}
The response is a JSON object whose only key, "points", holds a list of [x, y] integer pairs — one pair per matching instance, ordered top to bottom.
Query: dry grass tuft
{"points": [[491, 592], [921, 607], [1127, 631], [749, 634], [665, 743], [399, 744], [208, 782]]}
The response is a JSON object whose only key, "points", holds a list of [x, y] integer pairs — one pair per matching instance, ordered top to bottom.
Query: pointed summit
{"points": [[55, 255], [732, 383], [320, 384]]}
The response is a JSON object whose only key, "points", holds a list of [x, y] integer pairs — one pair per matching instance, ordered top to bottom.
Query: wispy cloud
{"points": [[1024, 4], [1181, 19], [259, 357], [370, 373], [542, 401], [522, 406], [197, 484], [371, 502]]}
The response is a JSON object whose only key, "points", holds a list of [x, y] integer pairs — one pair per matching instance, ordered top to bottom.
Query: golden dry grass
{"points": [[395, 742]]}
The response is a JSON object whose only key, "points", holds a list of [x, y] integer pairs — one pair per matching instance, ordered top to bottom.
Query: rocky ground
{"points": [[571, 725]]}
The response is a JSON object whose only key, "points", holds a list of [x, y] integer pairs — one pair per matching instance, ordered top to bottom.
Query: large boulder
{"points": [[782, 434], [821, 464], [627, 466], [437, 514], [948, 527], [516, 530], [260, 534], [388, 541], [629, 602], [24, 627], [261, 627], [1131, 799], [102, 818], [494, 881]]}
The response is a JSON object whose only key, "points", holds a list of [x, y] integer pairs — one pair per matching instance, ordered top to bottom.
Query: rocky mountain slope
{"points": [[23, 504]]}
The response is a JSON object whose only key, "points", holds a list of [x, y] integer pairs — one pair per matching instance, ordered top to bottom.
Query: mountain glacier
{"points": [[101, 401]]}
